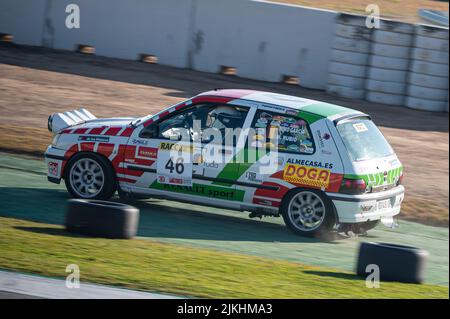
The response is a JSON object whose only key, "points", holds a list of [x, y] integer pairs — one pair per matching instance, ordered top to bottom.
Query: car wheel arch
{"points": [[106, 159], [297, 189]]}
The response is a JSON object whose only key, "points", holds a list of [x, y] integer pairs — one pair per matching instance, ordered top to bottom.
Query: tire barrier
{"points": [[391, 51], [432, 56], [349, 57], [389, 63], [398, 63], [353, 70], [397, 76], [428, 76], [428, 81], [388, 87], [427, 93], [385, 98], [425, 105], [101, 218], [395, 262]]}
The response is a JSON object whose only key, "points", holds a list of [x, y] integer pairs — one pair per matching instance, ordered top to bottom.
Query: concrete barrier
{"points": [[24, 19], [126, 29], [263, 40]]}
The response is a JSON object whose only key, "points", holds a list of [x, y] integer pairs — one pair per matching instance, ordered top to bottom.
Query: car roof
{"points": [[322, 109]]}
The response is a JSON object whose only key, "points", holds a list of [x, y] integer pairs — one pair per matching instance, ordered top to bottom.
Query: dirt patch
{"points": [[403, 10], [35, 82]]}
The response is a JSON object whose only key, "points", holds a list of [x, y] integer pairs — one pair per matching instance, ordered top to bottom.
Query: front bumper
{"points": [[55, 161], [368, 207]]}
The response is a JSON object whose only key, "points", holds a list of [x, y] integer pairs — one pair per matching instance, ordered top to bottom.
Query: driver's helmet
{"points": [[224, 117]]}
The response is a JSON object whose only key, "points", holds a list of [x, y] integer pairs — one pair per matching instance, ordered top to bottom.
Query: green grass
{"points": [[148, 265]]}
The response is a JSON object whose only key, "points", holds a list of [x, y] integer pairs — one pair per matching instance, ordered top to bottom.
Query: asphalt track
{"points": [[26, 194], [23, 286]]}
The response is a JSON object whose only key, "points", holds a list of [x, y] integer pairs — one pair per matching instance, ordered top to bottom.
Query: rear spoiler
{"points": [[351, 116], [60, 121]]}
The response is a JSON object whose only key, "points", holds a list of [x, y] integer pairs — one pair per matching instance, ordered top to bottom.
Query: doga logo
{"points": [[304, 175]]}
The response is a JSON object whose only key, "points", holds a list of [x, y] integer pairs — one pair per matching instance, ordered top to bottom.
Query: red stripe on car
{"points": [[214, 99], [148, 122], [80, 130], [97, 130], [113, 131], [127, 132], [87, 146], [105, 149], [121, 170], [126, 180], [278, 194], [266, 202]]}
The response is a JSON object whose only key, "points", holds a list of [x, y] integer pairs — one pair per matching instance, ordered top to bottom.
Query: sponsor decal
{"points": [[272, 108], [292, 112], [360, 127], [87, 138], [320, 139], [139, 142], [164, 146], [149, 152], [304, 162], [174, 164], [211, 165], [53, 168], [304, 175], [253, 177], [203, 190]]}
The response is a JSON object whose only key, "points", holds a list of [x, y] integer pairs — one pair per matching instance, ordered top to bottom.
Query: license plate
{"points": [[384, 204]]}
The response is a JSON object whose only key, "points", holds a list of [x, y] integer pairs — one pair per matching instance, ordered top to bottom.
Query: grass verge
{"points": [[148, 265]]}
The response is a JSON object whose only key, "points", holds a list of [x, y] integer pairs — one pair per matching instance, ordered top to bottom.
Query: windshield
{"points": [[363, 140]]}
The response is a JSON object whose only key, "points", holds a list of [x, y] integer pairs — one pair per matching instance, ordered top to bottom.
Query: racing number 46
{"points": [[178, 167]]}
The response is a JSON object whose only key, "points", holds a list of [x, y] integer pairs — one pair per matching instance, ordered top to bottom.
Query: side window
{"points": [[206, 116], [224, 119], [183, 122], [293, 134]]}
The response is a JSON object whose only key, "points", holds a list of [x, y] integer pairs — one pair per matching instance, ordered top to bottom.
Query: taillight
{"points": [[400, 179], [353, 186]]}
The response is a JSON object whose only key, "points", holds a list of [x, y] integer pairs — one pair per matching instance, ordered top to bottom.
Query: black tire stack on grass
{"points": [[101, 218], [396, 262]]}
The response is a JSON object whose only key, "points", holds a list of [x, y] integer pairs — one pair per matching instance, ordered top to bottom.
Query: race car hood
{"points": [[82, 118], [115, 121]]}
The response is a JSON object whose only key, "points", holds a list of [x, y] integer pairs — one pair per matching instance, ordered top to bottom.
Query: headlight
{"points": [[55, 140]]}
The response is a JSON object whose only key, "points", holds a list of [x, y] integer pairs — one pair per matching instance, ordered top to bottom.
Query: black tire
{"points": [[109, 184], [101, 219], [325, 226], [395, 262]]}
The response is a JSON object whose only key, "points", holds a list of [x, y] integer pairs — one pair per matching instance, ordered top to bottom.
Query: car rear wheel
{"points": [[90, 176], [308, 213]]}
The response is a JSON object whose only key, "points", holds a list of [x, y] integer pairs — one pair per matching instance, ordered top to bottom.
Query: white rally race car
{"points": [[318, 165]]}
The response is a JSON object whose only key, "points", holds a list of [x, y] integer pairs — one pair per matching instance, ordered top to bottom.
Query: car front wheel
{"points": [[90, 176], [308, 213]]}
